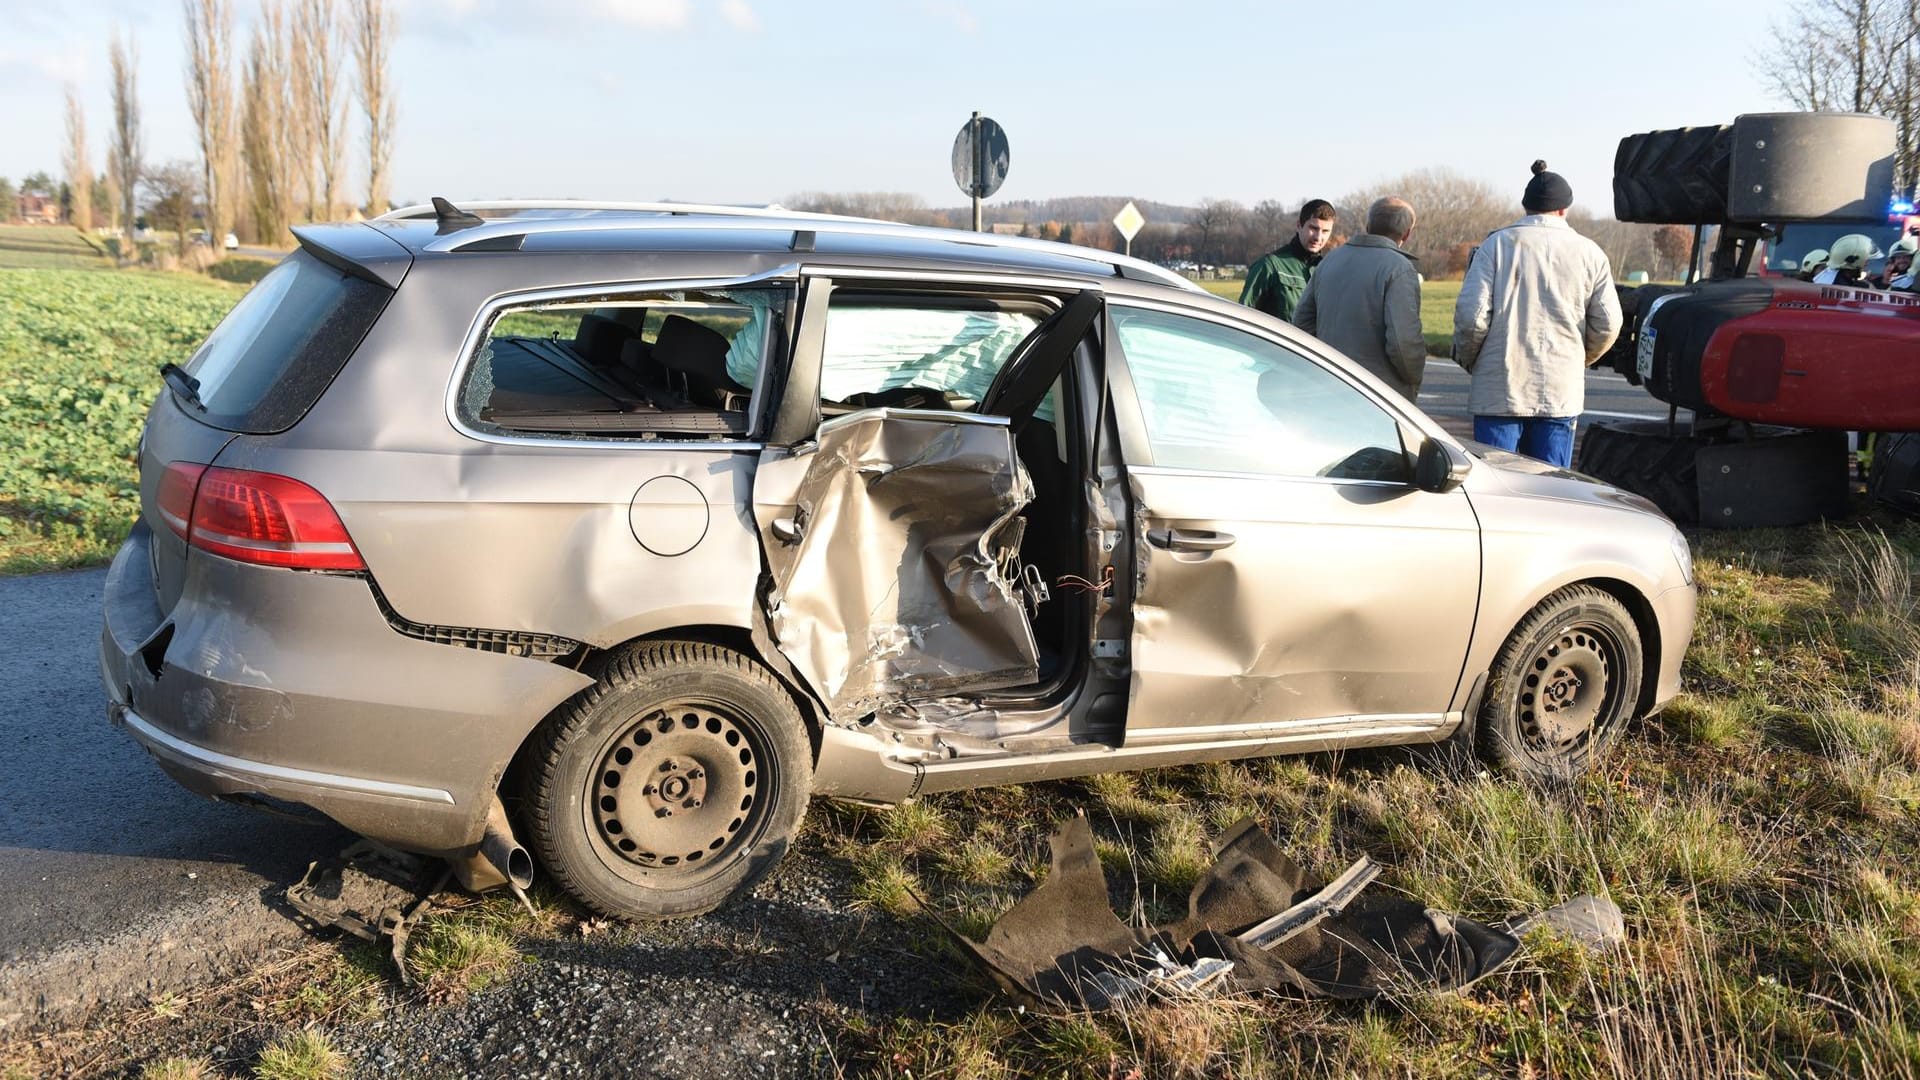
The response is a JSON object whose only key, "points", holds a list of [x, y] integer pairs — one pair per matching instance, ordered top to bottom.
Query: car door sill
{"points": [[856, 765]]}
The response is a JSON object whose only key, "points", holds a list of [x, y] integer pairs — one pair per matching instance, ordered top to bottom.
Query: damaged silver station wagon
{"points": [[649, 521]]}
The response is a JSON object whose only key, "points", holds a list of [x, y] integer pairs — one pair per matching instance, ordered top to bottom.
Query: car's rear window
{"points": [[273, 355]]}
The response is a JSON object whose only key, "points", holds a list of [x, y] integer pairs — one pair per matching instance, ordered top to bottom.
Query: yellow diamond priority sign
{"points": [[1129, 221]]}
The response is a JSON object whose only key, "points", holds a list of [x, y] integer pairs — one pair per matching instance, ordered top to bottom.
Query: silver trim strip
{"points": [[885, 412], [1319, 725], [244, 769]]}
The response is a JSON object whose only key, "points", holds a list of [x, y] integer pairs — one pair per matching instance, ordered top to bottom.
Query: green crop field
{"points": [[49, 247], [1436, 308], [79, 360]]}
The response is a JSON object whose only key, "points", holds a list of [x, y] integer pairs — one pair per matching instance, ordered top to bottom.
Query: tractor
{"points": [[1776, 375]]}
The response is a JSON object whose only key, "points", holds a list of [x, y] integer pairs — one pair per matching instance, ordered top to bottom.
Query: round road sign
{"points": [[980, 157]]}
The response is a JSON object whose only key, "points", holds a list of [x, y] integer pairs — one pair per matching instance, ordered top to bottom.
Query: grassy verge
{"points": [[49, 247], [1436, 309], [79, 360], [1760, 835]]}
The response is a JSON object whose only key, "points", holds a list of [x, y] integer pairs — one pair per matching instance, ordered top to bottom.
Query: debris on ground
{"points": [[371, 891], [1255, 922]]}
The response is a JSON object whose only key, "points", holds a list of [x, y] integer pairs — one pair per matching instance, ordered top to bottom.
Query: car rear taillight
{"points": [[175, 496], [256, 517]]}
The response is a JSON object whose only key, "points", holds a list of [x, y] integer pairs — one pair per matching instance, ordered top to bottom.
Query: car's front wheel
{"points": [[1564, 684], [675, 783]]}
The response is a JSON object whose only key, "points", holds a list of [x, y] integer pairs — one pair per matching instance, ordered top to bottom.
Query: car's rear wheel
{"points": [[1564, 684], [675, 783]]}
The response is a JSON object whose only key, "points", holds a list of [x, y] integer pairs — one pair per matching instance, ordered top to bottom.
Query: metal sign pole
{"points": [[979, 169]]}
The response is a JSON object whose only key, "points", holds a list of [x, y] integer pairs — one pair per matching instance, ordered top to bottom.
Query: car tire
{"points": [[1563, 686], [676, 782]]}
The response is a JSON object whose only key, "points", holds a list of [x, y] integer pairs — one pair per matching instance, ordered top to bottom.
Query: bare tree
{"points": [[372, 48], [316, 49], [123, 57], [210, 96], [266, 144], [79, 170], [171, 191], [1449, 209], [1210, 224], [1269, 225]]}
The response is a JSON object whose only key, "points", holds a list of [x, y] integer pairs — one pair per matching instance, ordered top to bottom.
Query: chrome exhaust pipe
{"points": [[498, 859]]}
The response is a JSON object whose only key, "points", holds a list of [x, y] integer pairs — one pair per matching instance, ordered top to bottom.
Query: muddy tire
{"points": [[1677, 176], [1642, 457], [1563, 686], [674, 784]]}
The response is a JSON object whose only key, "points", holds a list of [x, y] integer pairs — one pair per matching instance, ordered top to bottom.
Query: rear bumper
{"points": [[293, 686]]}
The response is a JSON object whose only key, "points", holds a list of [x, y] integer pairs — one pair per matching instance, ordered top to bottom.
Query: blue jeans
{"points": [[1549, 438]]}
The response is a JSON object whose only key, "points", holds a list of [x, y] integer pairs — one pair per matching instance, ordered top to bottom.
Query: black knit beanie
{"points": [[1546, 192]]}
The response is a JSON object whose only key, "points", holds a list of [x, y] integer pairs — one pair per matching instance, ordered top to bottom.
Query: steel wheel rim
{"points": [[1569, 693], [679, 791]]}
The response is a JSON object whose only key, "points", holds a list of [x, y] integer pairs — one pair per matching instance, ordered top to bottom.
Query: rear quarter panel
{"points": [[458, 531]]}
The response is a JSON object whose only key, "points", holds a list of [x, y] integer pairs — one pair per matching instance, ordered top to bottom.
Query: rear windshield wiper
{"points": [[183, 384]]}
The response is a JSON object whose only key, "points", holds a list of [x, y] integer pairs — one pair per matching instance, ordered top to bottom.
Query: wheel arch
{"points": [[594, 660]]}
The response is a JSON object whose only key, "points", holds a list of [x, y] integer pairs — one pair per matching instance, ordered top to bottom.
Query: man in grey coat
{"points": [[1364, 300], [1536, 310]]}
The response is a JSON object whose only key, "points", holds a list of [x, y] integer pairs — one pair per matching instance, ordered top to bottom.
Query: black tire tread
{"points": [[1676, 176], [1639, 456], [633, 664]]}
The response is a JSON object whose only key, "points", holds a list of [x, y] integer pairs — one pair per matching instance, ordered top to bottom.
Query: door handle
{"points": [[785, 530], [1189, 539]]}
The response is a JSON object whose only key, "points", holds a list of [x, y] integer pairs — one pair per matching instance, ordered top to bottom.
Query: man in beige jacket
{"points": [[1364, 300], [1536, 310]]}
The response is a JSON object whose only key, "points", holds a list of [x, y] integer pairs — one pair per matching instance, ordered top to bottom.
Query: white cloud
{"points": [[952, 11], [660, 14], [739, 16]]}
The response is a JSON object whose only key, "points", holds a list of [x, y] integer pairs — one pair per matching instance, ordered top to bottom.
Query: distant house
{"points": [[39, 209], [1006, 228]]}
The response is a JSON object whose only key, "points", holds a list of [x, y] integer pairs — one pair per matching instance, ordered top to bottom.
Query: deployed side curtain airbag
{"points": [[896, 586]]}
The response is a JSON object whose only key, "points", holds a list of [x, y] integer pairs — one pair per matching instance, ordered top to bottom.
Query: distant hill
{"points": [[1069, 208]]}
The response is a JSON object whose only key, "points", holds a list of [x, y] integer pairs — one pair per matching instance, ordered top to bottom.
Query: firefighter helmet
{"points": [[1852, 252]]}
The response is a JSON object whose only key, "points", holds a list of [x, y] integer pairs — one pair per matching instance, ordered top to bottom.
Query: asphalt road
{"points": [[113, 879], [116, 883]]}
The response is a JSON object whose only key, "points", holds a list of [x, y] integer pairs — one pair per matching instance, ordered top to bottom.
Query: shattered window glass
{"points": [[871, 349], [679, 363], [1218, 399]]}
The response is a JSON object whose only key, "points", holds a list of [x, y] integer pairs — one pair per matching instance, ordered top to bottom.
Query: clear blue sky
{"points": [[751, 100]]}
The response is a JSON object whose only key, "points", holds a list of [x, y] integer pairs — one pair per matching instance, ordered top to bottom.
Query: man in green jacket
{"points": [[1276, 279]]}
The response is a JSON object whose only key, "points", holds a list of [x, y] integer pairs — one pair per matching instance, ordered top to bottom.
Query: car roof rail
{"points": [[501, 208]]}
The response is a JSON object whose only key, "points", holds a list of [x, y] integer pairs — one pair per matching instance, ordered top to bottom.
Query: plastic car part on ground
{"points": [[1255, 922]]}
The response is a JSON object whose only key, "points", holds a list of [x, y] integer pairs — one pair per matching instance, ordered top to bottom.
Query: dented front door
{"points": [[892, 536], [1292, 580]]}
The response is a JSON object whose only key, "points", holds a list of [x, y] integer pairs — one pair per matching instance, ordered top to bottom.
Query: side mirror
{"points": [[1439, 469]]}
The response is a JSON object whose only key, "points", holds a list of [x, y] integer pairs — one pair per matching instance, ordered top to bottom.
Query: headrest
{"points": [[599, 339], [685, 345]]}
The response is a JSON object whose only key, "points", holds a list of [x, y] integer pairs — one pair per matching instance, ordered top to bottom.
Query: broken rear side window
{"points": [[679, 364]]}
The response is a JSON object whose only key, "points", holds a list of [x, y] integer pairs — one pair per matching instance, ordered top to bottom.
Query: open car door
{"points": [[892, 536]]}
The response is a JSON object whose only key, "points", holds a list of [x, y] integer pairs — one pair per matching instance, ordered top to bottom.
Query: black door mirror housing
{"points": [[1439, 469]]}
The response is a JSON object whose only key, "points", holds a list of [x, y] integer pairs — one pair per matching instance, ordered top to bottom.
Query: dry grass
{"points": [[1762, 837], [305, 1054]]}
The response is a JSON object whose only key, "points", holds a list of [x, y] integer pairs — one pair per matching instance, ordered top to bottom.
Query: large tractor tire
{"points": [[1673, 177], [1643, 457], [1894, 477]]}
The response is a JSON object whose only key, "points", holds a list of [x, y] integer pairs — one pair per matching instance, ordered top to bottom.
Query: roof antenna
{"points": [[452, 218]]}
